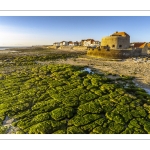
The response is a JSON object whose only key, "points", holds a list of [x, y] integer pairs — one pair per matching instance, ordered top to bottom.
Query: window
{"points": [[113, 45], [120, 46]]}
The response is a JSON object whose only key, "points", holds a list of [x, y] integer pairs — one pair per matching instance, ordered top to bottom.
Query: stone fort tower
{"points": [[118, 40]]}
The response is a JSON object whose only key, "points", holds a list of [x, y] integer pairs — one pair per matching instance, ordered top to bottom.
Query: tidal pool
{"points": [[88, 70]]}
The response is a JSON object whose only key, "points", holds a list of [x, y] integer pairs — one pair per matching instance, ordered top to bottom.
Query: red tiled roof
{"points": [[70, 42], [148, 44], [139, 45]]}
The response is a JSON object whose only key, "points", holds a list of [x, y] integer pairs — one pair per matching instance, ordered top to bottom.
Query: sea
{"points": [[11, 47]]}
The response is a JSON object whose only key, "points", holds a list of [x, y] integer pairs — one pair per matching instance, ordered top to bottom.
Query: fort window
{"points": [[113, 45], [120, 46]]}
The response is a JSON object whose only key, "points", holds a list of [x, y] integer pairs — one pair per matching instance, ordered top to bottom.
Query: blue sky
{"points": [[45, 30]]}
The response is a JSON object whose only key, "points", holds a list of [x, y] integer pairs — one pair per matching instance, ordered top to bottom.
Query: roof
{"points": [[120, 34], [89, 40], [70, 42], [148, 44], [139, 45]]}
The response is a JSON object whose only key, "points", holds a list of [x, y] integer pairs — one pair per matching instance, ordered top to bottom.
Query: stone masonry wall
{"points": [[114, 42], [116, 54]]}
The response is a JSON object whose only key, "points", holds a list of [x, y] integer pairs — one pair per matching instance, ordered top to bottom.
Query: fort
{"points": [[116, 46], [112, 53]]}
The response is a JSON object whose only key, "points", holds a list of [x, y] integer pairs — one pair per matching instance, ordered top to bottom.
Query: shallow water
{"points": [[11, 47], [4, 48], [88, 70], [147, 90]]}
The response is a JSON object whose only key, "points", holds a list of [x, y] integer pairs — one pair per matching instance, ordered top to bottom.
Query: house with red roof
{"points": [[88, 42], [70, 43], [141, 45]]}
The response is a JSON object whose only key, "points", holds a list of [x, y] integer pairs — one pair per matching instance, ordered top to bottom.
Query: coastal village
{"points": [[116, 41], [87, 42], [98, 83]]}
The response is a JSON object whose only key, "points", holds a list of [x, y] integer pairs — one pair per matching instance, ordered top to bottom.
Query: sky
{"points": [[45, 30]]}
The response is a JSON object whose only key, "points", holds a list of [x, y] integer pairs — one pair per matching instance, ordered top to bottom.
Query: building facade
{"points": [[118, 40], [90, 43]]}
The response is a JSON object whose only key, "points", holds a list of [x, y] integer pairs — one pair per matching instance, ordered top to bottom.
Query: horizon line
{"points": [[74, 10]]}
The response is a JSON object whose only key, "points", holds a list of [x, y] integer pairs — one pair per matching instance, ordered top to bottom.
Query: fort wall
{"points": [[116, 42], [115, 54]]}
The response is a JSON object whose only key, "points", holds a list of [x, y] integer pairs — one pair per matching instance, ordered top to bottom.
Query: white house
{"points": [[88, 42], [61, 43], [64, 43], [70, 43], [91, 43], [97, 43], [56, 44]]}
